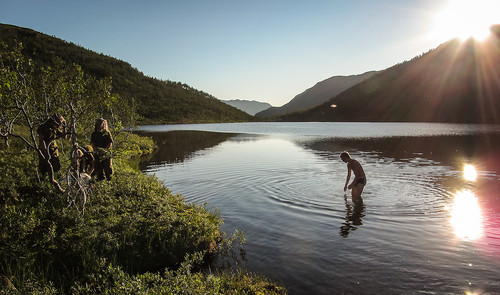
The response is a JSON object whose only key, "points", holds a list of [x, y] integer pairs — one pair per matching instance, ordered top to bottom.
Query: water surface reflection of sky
{"points": [[429, 222]]}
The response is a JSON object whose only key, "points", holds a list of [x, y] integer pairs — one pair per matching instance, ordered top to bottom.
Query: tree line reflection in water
{"points": [[466, 216]]}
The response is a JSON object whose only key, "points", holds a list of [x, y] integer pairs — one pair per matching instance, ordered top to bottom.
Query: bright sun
{"points": [[467, 18]]}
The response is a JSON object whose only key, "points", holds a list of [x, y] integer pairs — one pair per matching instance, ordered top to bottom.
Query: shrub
{"points": [[133, 229], [113, 280]]}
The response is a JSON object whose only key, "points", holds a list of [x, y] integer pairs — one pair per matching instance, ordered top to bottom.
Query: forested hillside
{"points": [[457, 82], [157, 101]]}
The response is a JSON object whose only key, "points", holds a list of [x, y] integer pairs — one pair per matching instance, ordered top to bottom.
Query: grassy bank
{"points": [[135, 237]]}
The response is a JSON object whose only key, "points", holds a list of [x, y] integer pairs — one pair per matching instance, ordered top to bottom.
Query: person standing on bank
{"points": [[50, 130], [102, 141], [359, 181]]}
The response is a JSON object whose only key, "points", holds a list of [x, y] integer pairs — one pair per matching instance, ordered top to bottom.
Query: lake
{"points": [[429, 223]]}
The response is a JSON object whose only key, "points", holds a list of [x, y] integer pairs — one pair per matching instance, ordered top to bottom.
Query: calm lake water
{"points": [[425, 226]]}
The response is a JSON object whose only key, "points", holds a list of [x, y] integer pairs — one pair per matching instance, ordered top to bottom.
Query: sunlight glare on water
{"points": [[470, 172], [466, 216], [424, 227]]}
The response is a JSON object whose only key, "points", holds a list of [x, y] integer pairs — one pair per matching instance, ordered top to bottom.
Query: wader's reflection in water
{"points": [[285, 192], [354, 213]]}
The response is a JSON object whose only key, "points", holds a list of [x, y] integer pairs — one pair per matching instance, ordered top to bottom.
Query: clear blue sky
{"points": [[265, 50]]}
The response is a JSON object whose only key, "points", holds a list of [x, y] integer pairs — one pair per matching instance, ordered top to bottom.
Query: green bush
{"points": [[130, 145], [133, 220], [133, 229], [113, 280]]}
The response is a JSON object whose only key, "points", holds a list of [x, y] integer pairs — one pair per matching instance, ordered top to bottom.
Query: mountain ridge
{"points": [[458, 82], [317, 94], [158, 101], [249, 106]]}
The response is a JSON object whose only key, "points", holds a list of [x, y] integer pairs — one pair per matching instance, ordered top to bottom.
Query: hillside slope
{"points": [[457, 82], [318, 94], [157, 101], [251, 107]]}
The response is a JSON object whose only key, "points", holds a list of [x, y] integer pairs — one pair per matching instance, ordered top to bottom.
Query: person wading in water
{"points": [[359, 181]]}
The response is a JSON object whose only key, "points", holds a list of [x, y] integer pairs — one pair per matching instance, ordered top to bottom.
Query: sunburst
{"points": [[465, 19]]}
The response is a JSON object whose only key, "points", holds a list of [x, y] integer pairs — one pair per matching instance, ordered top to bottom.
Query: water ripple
{"points": [[302, 230]]}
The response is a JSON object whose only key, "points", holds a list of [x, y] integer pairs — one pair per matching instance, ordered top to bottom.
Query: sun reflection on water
{"points": [[470, 172], [466, 216]]}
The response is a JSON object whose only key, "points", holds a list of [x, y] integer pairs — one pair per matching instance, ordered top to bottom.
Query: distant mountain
{"points": [[457, 82], [318, 94], [157, 101], [249, 106]]}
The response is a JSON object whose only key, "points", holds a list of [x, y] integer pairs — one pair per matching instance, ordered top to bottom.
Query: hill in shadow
{"points": [[458, 82], [316, 95], [157, 101], [249, 106]]}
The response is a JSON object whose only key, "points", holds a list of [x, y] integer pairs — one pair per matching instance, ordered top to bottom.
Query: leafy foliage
{"points": [[30, 95], [133, 229], [113, 280]]}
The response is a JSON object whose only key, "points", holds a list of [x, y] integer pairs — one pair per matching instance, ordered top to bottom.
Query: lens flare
{"points": [[464, 19], [470, 172], [466, 216]]}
